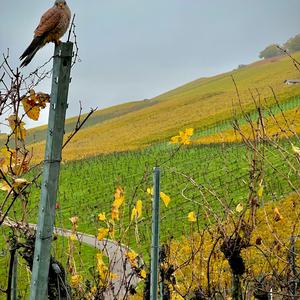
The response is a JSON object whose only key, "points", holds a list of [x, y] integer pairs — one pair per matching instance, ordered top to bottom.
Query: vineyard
{"points": [[229, 190]]}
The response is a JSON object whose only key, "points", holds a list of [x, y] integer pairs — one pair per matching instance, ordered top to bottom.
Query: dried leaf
{"points": [[17, 126]]}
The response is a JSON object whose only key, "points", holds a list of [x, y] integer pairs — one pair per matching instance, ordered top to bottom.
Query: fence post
{"points": [[44, 232], [155, 235], [15, 278]]}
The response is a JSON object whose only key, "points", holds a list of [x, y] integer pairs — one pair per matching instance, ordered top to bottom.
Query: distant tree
{"points": [[293, 44], [270, 51]]}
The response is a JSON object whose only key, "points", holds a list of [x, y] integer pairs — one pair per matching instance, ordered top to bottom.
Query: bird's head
{"points": [[60, 3]]}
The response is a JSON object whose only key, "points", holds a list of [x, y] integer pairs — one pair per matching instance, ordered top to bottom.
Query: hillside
{"points": [[198, 104]]}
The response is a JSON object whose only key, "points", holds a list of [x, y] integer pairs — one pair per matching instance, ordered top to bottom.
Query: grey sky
{"points": [[136, 49]]}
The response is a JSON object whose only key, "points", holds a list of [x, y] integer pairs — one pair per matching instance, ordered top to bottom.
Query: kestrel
{"points": [[53, 25]]}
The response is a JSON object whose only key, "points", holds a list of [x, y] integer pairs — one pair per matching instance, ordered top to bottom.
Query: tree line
{"points": [[291, 45]]}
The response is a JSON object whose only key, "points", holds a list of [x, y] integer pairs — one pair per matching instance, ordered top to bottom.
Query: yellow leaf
{"points": [[30, 108], [17, 126], [189, 131], [184, 137], [175, 139], [296, 149], [7, 159], [19, 183], [4, 186], [260, 190], [150, 191], [119, 192], [165, 198], [118, 202], [139, 208], [239, 208], [115, 213], [133, 214], [277, 215], [192, 216], [101, 217], [102, 233], [73, 237], [131, 255], [143, 274], [76, 280], [94, 290]]}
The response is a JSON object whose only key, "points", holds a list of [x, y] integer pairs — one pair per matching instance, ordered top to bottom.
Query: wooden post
{"points": [[44, 232]]}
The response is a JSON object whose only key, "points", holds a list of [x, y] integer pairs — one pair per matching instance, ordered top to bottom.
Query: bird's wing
{"points": [[48, 22]]}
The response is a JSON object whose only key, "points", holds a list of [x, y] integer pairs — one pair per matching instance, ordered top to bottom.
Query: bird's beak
{"points": [[61, 5]]}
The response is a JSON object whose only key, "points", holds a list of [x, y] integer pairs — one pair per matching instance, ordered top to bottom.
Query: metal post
{"points": [[56, 123], [155, 235], [14, 287]]}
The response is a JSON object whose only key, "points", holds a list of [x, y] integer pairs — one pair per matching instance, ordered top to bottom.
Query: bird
{"points": [[53, 25]]}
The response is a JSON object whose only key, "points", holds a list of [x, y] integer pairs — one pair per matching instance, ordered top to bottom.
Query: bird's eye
{"points": [[65, 2]]}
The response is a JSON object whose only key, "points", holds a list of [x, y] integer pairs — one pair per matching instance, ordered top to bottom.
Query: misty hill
{"points": [[198, 104]]}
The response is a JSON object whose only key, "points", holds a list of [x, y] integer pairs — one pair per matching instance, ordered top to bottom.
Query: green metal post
{"points": [[56, 123], [155, 236], [14, 286]]}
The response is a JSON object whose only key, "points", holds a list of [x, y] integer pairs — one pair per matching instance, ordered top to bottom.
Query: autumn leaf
{"points": [[33, 103], [30, 109], [17, 126], [189, 132], [183, 138], [175, 139], [296, 149], [7, 158], [19, 183], [4, 186], [260, 190], [150, 191], [165, 198], [118, 202], [139, 208], [239, 208], [136, 212], [115, 213], [133, 214], [192, 216], [277, 216], [101, 217], [102, 233], [73, 237], [131, 255], [143, 274], [76, 280]]}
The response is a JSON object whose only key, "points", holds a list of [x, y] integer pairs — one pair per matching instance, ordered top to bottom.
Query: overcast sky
{"points": [[137, 49]]}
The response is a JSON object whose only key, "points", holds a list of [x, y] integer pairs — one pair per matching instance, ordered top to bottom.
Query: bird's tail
{"points": [[32, 49]]}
